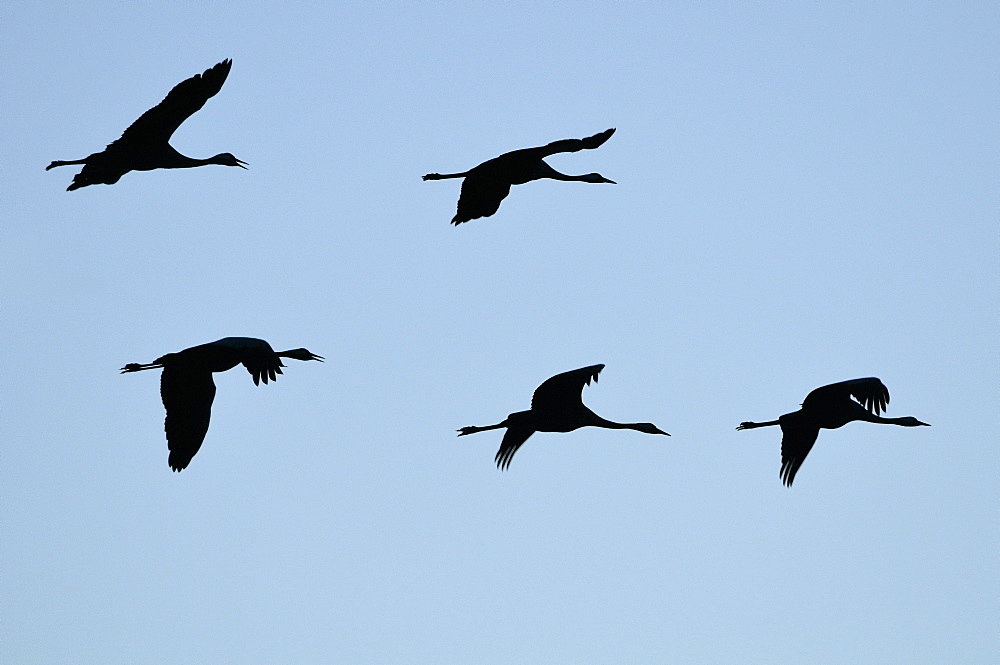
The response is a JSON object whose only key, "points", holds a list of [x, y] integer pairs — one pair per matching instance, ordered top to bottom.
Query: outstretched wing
{"points": [[160, 122], [574, 145], [481, 197], [255, 354], [564, 392], [870, 392], [187, 396], [513, 439], [797, 439]]}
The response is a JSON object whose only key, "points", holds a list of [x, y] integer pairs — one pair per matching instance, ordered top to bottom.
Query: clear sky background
{"points": [[806, 195]]}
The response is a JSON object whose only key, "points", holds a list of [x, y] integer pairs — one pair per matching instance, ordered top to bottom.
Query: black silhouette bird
{"points": [[145, 146], [488, 184], [187, 388], [556, 406], [829, 407]]}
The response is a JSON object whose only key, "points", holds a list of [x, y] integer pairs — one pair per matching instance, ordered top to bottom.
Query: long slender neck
{"points": [[175, 160], [192, 162], [546, 171], [556, 175], [903, 420], [598, 421]]}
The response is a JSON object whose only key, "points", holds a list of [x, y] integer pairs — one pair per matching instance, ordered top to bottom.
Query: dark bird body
{"points": [[145, 145], [488, 184], [187, 388], [556, 406], [829, 407]]}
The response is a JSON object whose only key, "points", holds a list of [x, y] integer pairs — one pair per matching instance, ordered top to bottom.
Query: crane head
{"points": [[227, 159], [596, 178], [301, 354], [649, 428]]}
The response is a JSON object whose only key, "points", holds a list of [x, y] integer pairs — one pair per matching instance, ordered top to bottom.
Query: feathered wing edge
{"points": [[184, 100], [481, 196], [263, 368], [565, 388], [870, 392], [187, 397], [513, 439], [796, 442]]}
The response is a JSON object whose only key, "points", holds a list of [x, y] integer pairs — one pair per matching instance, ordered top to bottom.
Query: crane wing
{"points": [[160, 122], [574, 145], [481, 197], [263, 366], [564, 392], [870, 392], [187, 396], [513, 439], [797, 439]]}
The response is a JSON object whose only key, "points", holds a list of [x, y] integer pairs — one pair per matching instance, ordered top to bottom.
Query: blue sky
{"points": [[807, 194]]}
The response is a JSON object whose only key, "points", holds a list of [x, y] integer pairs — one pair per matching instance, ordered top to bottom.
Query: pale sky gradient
{"points": [[807, 194]]}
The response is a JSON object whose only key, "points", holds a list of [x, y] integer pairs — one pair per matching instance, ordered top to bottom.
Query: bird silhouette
{"points": [[145, 146], [488, 184], [187, 389], [556, 406], [829, 407]]}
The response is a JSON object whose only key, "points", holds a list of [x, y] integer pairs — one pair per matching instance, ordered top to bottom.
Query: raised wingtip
{"points": [[216, 74], [597, 140]]}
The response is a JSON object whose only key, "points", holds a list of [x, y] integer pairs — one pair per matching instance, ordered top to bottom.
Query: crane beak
{"points": [[240, 163]]}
